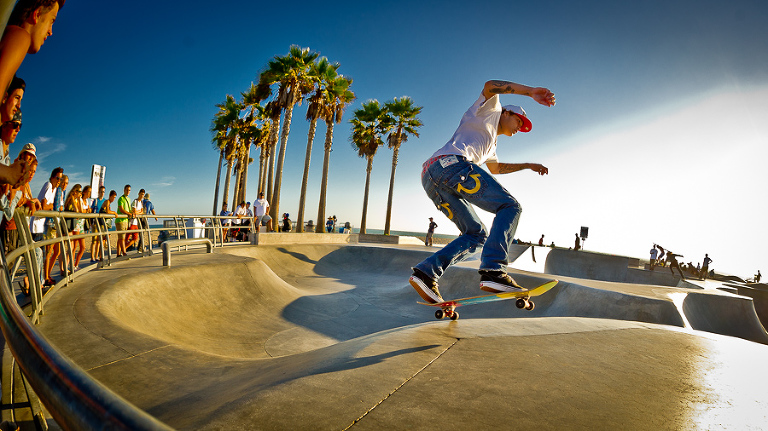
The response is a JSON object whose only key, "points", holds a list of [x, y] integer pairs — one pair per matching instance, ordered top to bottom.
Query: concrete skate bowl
{"points": [[607, 267], [270, 301]]}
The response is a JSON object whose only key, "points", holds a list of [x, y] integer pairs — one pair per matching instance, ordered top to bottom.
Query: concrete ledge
{"points": [[273, 238], [389, 239]]}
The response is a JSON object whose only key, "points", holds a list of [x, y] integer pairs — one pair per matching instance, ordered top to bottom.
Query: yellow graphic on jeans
{"points": [[473, 190], [450, 213]]}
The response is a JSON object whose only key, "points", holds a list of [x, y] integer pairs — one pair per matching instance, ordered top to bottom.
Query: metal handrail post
{"points": [[62, 231], [34, 269], [74, 399]]}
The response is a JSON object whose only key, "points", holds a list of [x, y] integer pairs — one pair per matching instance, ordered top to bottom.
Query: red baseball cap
{"points": [[520, 112]]}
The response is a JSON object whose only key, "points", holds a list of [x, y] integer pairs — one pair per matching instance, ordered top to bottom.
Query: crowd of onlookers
{"points": [[29, 25]]}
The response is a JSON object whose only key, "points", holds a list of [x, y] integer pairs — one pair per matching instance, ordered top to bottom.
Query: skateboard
{"points": [[448, 308]]}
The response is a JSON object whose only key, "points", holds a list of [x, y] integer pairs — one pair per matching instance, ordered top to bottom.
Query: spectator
{"points": [[30, 24], [10, 120], [8, 132], [25, 203], [58, 205], [105, 207], [149, 208], [124, 211], [240, 212], [261, 213], [133, 223], [225, 223], [287, 224], [328, 224], [76, 225], [43, 228], [430, 232], [541, 240], [96, 241], [577, 245], [654, 252], [705, 266]]}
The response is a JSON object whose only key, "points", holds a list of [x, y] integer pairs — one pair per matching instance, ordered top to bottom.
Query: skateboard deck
{"points": [[448, 308]]}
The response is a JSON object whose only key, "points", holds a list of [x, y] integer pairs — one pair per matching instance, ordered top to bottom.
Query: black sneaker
{"points": [[498, 282], [425, 286]]}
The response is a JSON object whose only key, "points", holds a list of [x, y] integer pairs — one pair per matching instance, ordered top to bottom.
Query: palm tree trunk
{"points": [[395, 151], [271, 163], [245, 170], [305, 179], [226, 181], [324, 181], [218, 182], [260, 182], [236, 192], [365, 197], [275, 207]]}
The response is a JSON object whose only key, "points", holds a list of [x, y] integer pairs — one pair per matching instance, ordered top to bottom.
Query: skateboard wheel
{"points": [[520, 303], [530, 305], [439, 314], [455, 316]]}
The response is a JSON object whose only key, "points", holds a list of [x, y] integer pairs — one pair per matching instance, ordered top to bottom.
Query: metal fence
{"points": [[75, 400]]}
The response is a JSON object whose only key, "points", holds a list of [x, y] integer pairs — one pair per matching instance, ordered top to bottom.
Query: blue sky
{"points": [[657, 135]]}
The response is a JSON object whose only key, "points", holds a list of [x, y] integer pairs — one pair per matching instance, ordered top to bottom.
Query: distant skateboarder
{"points": [[454, 181], [430, 232], [672, 259], [705, 266]]}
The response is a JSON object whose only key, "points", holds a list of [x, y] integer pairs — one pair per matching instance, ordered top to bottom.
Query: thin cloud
{"points": [[44, 151], [165, 182]]}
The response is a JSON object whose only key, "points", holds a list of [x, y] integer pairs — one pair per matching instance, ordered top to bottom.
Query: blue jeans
{"points": [[454, 189]]}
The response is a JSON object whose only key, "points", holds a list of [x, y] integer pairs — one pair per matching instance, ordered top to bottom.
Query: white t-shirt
{"points": [[475, 138], [47, 193], [137, 205], [260, 207], [241, 211]]}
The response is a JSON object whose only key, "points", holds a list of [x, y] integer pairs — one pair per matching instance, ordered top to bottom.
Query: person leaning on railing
{"points": [[76, 225]]}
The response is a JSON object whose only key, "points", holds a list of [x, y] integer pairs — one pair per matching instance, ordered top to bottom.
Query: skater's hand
{"points": [[543, 96], [539, 169]]}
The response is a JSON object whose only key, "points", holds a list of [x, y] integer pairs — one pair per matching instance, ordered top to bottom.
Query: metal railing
{"points": [[74, 399]]}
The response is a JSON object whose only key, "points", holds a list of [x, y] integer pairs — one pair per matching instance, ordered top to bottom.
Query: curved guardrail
{"points": [[74, 399]]}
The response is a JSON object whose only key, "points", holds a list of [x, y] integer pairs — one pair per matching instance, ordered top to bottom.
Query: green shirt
{"points": [[125, 203]]}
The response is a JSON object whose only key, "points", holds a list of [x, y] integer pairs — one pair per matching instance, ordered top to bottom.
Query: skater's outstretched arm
{"points": [[539, 94], [508, 168]]}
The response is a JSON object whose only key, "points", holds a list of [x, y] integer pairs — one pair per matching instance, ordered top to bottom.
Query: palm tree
{"points": [[321, 71], [292, 73], [339, 96], [250, 101], [402, 115], [368, 126], [224, 139], [218, 143]]}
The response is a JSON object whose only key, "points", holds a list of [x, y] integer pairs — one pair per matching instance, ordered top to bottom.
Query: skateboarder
{"points": [[454, 182], [705, 267]]}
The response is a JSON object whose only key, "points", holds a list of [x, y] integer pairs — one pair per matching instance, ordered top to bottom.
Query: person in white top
{"points": [[454, 182], [137, 207], [261, 213]]}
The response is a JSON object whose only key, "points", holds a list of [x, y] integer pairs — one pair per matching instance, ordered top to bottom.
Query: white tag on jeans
{"points": [[448, 161]]}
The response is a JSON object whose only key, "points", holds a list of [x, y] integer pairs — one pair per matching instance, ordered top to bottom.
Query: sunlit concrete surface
{"points": [[331, 337]]}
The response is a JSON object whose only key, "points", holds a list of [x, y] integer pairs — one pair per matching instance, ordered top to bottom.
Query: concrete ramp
{"points": [[589, 265], [329, 336]]}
